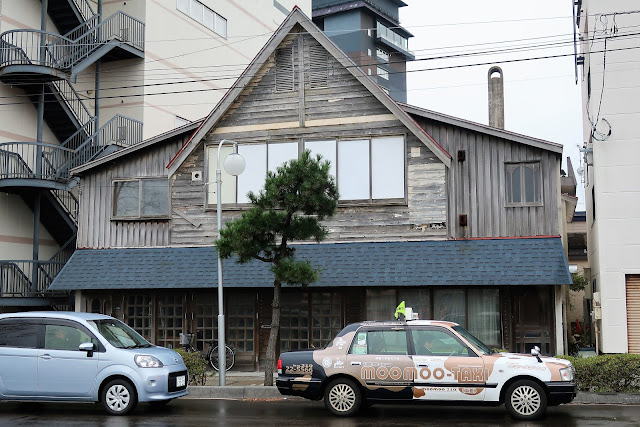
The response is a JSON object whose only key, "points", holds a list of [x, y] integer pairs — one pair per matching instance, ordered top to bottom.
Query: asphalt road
{"points": [[194, 412]]}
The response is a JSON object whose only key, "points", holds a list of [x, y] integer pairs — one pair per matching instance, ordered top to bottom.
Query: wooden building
{"points": [[458, 219]]}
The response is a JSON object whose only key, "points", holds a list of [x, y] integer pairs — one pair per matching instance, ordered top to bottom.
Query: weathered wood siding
{"points": [[332, 104], [477, 185], [96, 228]]}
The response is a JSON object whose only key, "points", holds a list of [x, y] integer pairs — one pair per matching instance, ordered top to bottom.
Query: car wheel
{"points": [[119, 397], [343, 397], [526, 400]]}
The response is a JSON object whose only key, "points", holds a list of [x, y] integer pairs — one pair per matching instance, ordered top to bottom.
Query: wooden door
{"points": [[633, 313], [533, 318]]}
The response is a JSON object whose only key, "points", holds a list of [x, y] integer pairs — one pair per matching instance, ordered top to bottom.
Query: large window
{"points": [[203, 15], [365, 169], [524, 184], [141, 198], [477, 310]]}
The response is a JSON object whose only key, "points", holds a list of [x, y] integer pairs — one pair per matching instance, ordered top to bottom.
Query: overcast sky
{"points": [[541, 97]]}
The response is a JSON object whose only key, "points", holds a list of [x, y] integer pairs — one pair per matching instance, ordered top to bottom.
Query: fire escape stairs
{"points": [[44, 65]]}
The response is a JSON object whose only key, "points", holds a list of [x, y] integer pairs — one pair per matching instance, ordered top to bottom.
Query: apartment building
{"points": [[370, 34], [608, 61], [83, 78]]}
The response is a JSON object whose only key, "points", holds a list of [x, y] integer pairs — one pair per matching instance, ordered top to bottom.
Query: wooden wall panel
{"points": [[476, 187]]}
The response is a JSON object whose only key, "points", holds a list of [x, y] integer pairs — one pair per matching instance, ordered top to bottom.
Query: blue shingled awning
{"points": [[485, 262]]}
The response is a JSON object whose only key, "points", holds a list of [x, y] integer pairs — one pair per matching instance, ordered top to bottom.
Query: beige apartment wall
{"points": [[201, 64], [16, 231]]}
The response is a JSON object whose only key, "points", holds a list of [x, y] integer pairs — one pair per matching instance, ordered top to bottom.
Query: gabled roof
{"points": [[297, 17], [189, 127], [478, 127], [482, 262]]}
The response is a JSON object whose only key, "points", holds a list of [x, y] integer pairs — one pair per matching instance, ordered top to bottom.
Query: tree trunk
{"points": [[270, 363]]}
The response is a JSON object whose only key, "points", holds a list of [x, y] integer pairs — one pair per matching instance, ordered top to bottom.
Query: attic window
{"points": [[286, 76]]}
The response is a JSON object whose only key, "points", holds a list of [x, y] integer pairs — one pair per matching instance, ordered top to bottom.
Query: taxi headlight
{"points": [[146, 361], [566, 374]]}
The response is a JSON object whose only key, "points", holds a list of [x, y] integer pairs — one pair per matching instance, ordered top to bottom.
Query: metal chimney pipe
{"points": [[496, 98]]}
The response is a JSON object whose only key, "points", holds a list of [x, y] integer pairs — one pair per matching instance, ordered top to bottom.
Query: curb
{"points": [[272, 393]]}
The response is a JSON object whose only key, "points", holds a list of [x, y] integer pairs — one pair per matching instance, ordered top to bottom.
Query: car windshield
{"points": [[118, 334], [482, 347]]}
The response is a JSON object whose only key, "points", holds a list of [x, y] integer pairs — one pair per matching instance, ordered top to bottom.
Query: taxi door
{"points": [[379, 357], [446, 368]]}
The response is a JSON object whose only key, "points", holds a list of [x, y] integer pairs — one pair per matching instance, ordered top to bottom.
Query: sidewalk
{"points": [[249, 385]]}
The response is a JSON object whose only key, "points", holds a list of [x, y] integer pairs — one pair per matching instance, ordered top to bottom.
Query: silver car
{"points": [[85, 357]]}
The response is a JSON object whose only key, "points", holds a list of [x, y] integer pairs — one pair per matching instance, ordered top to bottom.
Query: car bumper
{"points": [[163, 384], [310, 388], [561, 392]]}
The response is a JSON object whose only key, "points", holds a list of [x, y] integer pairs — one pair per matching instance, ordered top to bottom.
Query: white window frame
{"points": [[197, 11], [382, 54], [381, 72], [375, 170], [141, 181], [536, 181]]}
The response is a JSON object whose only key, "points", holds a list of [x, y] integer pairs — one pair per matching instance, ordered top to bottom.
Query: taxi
{"points": [[423, 361]]}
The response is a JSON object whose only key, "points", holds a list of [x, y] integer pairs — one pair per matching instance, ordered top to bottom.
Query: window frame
{"points": [[216, 16], [302, 145], [509, 168], [164, 216], [418, 328], [382, 329]]}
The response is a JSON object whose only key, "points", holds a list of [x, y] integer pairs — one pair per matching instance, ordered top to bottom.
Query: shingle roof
{"points": [[489, 262]]}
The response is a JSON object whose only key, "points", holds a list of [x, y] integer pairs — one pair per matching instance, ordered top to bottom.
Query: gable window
{"points": [[203, 15], [259, 159], [365, 169], [523, 184], [141, 198]]}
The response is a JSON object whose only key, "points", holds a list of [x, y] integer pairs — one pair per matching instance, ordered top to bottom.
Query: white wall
{"points": [[614, 237]]}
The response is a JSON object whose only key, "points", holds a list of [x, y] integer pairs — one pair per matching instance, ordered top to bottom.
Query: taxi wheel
{"points": [[119, 397], [342, 397], [526, 400]]}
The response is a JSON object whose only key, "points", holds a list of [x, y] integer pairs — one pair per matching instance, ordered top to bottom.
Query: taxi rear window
{"points": [[380, 342]]}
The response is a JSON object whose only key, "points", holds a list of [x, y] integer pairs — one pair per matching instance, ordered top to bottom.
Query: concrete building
{"points": [[369, 32], [607, 58], [81, 78]]}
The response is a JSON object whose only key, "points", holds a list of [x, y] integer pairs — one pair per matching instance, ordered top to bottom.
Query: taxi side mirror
{"points": [[535, 351]]}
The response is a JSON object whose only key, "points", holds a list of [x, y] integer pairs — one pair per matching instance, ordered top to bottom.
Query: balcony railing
{"points": [[35, 47], [31, 160], [27, 278]]}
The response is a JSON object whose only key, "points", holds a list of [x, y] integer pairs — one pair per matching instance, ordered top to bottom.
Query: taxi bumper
{"points": [[561, 392]]}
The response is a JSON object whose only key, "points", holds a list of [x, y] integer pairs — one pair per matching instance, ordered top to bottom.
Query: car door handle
{"points": [[45, 356], [355, 363], [423, 365]]}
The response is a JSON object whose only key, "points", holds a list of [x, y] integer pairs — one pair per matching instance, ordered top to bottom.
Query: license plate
{"points": [[180, 381]]}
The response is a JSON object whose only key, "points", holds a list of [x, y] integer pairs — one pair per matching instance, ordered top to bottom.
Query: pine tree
{"points": [[294, 201]]}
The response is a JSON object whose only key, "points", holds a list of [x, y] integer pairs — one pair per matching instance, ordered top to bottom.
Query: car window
{"points": [[19, 334], [119, 334], [61, 337], [380, 342], [431, 342]]}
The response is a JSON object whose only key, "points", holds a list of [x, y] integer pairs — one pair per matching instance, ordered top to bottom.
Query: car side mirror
{"points": [[89, 347], [535, 351]]}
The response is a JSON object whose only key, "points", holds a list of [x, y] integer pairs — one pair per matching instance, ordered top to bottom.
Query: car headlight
{"points": [[146, 361], [566, 374]]}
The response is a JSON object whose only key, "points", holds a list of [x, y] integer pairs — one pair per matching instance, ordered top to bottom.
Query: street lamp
{"points": [[234, 165]]}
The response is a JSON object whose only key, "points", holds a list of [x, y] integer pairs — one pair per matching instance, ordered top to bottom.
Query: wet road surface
{"points": [[191, 412]]}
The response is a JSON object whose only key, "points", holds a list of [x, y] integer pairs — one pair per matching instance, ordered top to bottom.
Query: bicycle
{"points": [[212, 355]]}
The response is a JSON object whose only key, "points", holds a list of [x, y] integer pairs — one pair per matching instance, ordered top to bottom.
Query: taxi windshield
{"points": [[479, 345]]}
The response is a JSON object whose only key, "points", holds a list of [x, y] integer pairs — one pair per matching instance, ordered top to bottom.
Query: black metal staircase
{"points": [[43, 64]]}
